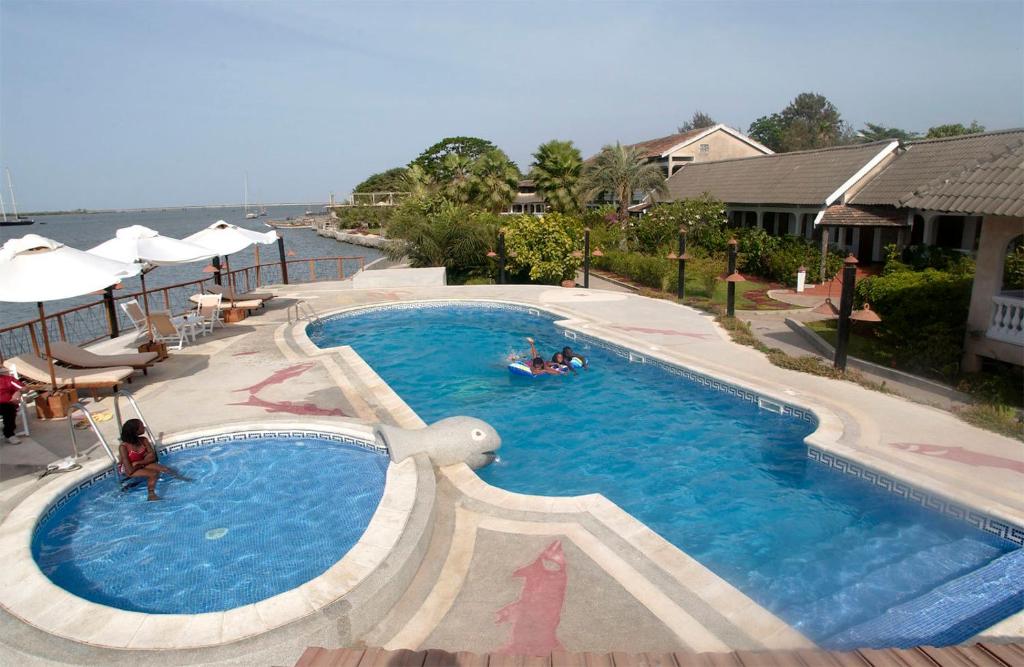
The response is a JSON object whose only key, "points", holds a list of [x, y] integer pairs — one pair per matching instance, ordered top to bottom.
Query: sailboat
{"points": [[248, 215], [17, 219]]}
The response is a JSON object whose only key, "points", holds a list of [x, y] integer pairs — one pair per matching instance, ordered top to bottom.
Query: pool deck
{"points": [[504, 572]]}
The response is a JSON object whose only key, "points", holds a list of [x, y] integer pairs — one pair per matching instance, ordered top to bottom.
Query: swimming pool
{"points": [[725, 481], [263, 515]]}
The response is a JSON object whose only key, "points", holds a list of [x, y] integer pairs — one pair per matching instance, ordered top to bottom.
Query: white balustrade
{"points": [[1007, 320]]}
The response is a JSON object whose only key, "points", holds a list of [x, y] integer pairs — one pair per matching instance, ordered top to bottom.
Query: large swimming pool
{"points": [[725, 481], [261, 516]]}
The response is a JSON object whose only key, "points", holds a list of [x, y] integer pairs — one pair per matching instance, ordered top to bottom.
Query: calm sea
{"points": [[84, 231]]}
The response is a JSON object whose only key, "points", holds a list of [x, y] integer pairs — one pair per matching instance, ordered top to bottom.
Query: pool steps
{"points": [[891, 584], [983, 597]]}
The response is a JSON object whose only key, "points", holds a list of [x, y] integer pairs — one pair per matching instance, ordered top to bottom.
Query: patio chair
{"points": [[236, 299], [207, 311], [135, 313], [173, 331], [77, 357], [38, 372]]}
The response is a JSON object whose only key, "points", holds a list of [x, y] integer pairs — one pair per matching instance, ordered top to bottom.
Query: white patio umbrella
{"points": [[224, 238], [144, 246], [34, 268]]}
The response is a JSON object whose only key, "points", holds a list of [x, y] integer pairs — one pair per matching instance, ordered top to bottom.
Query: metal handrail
{"points": [[300, 305], [135, 406], [95, 430]]}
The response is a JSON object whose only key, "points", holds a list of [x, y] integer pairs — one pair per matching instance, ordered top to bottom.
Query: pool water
{"points": [[726, 482], [260, 517]]}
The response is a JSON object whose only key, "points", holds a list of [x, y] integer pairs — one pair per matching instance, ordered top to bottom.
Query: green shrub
{"points": [[371, 217], [439, 233], [543, 246], [921, 257], [777, 258], [643, 269], [1013, 269], [702, 274], [924, 315]]}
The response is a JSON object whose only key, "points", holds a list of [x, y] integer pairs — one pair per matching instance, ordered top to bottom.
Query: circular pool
{"points": [[263, 514]]}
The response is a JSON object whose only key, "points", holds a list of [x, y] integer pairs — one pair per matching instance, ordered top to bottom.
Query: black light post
{"points": [[586, 257], [501, 258], [284, 263], [216, 269], [108, 300], [730, 308], [845, 308]]}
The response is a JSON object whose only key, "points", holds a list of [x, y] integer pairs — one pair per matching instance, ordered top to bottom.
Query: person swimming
{"points": [[568, 355], [537, 364]]}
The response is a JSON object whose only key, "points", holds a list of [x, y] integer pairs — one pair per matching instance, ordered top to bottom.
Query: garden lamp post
{"points": [[281, 255], [501, 258], [681, 258], [730, 307], [845, 308]]}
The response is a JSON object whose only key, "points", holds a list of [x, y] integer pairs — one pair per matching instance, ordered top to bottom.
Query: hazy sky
{"points": [[149, 103]]}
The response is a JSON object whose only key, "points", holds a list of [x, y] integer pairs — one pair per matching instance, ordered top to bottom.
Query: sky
{"points": [[153, 103]]}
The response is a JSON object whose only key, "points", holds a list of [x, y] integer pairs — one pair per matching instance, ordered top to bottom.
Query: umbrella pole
{"points": [[145, 305], [46, 345]]}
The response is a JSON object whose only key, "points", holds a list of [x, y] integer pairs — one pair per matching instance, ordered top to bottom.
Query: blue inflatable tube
{"points": [[520, 368]]}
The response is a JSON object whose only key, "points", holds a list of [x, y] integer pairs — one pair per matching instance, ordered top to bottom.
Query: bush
{"points": [[371, 217], [703, 217], [437, 233], [543, 246], [777, 258], [643, 269], [1013, 269], [702, 274], [924, 316]]}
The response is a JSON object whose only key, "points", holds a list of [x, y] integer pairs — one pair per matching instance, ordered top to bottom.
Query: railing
{"points": [[89, 323], [1007, 323]]}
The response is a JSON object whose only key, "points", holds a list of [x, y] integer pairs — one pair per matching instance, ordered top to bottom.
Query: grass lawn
{"points": [[862, 346]]}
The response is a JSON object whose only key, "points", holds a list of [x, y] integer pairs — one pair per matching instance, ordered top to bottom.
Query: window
{"points": [[705, 148]]}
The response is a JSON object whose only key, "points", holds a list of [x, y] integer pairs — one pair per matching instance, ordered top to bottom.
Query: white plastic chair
{"points": [[207, 311], [135, 313], [167, 330]]}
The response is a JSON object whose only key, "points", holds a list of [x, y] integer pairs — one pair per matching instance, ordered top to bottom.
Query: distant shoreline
{"points": [[93, 211]]}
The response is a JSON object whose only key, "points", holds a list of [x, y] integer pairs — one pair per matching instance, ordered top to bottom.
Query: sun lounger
{"points": [[231, 295], [168, 329], [76, 357], [38, 371]]}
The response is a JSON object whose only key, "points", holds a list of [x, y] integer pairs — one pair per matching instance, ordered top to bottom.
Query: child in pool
{"points": [[138, 458]]}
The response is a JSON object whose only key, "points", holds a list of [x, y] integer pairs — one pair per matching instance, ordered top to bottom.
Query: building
{"points": [[706, 144], [962, 193], [527, 200]]}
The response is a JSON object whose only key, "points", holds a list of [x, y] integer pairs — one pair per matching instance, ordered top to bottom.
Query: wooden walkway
{"points": [[980, 655]]}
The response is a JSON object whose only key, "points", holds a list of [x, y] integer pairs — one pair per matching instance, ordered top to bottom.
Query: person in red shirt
{"points": [[10, 398]]}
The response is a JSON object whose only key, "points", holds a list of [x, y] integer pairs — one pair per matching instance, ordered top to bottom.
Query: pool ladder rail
{"points": [[303, 311], [76, 407]]}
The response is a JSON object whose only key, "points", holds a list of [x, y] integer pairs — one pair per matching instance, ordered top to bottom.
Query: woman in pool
{"points": [[537, 364], [138, 458]]}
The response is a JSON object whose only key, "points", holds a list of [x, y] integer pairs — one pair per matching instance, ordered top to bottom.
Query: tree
{"points": [[698, 121], [810, 121], [768, 130], [954, 130], [872, 132], [432, 159], [557, 167], [623, 171], [454, 178], [392, 180], [494, 181], [418, 182], [436, 232], [544, 245]]}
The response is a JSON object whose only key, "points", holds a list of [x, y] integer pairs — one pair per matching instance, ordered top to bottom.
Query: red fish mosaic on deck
{"points": [[290, 407], [536, 614]]}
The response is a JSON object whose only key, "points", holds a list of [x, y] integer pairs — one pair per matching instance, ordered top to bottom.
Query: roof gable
{"points": [[663, 146]]}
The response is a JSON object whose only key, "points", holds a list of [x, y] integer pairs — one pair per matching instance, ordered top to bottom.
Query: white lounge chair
{"points": [[135, 313], [207, 313], [167, 330], [77, 357], [38, 371]]}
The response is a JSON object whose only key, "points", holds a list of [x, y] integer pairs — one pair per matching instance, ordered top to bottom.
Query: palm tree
{"points": [[556, 170], [623, 171], [455, 178], [495, 181], [418, 182], [451, 237]]}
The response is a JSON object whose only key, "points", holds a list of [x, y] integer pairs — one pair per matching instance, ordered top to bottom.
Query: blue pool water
{"points": [[725, 481], [260, 517]]}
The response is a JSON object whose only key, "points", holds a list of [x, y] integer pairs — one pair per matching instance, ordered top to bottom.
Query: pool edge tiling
{"points": [[29, 595]]}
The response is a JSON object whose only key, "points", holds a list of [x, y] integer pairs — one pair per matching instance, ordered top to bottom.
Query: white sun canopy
{"points": [[224, 238], [144, 245], [34, 268]]}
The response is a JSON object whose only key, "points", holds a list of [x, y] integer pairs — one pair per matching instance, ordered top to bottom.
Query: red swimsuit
{"points": [[133, 456]]}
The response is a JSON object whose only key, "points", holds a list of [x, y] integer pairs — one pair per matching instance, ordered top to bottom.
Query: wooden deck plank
{"points": [[1011, 654], [962, 656], [816, 657], [894, 657], [563, 659], [597, 660], [657, 660]]}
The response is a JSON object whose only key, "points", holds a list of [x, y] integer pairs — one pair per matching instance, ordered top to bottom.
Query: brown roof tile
{"points": [[655, 147], [962, 174], [802, 178], [842, 215]]}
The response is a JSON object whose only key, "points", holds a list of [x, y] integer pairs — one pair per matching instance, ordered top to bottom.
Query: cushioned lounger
{"points": [[232, 295], [72, 355], [38, 371]]}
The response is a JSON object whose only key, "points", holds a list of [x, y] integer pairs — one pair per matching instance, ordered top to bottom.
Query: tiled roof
{"points": [[655, 147], [979, 173], [804, 177], [841, 215]]}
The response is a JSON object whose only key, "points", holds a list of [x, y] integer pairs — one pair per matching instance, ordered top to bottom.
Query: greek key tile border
{"points": [[706, 381], [204, 441], [983, 522]]}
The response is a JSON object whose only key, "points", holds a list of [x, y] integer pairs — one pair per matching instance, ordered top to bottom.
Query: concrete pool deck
{"points": [[618, 585]]}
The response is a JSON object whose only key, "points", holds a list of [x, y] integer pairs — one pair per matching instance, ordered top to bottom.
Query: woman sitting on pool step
{"points": [[138, 457]]}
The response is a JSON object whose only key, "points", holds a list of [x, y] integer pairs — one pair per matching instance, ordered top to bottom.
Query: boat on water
{"points": [[249, 215], [17, 219], [289, 224]]}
